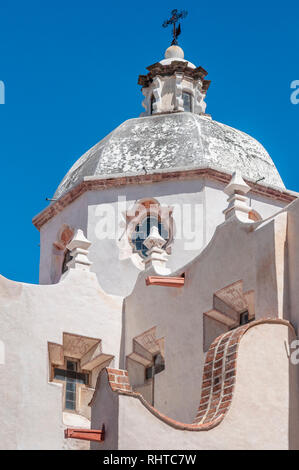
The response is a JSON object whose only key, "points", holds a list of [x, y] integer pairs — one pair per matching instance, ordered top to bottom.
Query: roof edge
{"points": [[118, 180]]}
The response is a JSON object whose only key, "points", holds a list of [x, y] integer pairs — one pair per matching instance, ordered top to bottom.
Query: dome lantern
{"points": [[174, 84]]}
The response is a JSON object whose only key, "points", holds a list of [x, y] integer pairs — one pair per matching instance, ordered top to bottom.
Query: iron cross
{"points": [[176, 16]]}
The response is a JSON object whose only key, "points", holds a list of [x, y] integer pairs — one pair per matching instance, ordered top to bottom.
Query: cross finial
{"points": [[176, 16]]}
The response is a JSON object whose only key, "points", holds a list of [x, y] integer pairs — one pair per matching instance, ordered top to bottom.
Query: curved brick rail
{"points": [[218, 383]]}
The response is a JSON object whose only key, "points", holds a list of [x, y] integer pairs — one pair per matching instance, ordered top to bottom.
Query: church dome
{"points": [[172, 142]]}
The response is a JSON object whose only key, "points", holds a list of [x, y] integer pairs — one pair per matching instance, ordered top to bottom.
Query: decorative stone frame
{"points": [[134, 216], [229, 303], [146, 347], [87, 352], [79, 386]]}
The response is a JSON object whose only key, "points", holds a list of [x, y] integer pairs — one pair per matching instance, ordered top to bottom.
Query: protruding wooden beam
{"points": [[165, 281], [96, 435]]}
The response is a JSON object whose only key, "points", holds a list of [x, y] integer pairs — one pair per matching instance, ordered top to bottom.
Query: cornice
{"points": [[116, 181]]}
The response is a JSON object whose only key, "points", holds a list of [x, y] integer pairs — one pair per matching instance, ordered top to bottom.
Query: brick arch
{"points": [[218, 381]]}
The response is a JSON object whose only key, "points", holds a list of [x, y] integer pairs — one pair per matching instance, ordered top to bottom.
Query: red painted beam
{"points": [[165, 281], [97, 435]]}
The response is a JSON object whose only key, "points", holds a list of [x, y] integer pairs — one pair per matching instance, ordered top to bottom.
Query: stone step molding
{"points": [[229, 303]]}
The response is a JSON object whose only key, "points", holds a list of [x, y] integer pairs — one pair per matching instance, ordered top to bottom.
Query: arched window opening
{"points": [[187, 101], [142, 231]]}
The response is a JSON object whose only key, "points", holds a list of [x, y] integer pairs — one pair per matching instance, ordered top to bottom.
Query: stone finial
{"points": [[237, 202], [154, 239], [78, 247], [157, 257]]}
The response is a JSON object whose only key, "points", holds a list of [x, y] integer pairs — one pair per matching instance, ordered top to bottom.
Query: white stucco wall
{"points": [[236, 252], [33, 315], [31, 413], [263, 414]]}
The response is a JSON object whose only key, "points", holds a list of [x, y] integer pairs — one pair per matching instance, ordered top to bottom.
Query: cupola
{"points": [[174, 85]]}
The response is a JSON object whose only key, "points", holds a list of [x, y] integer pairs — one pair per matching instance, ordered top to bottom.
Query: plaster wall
{"points": [[236, 252], [31, 315], [264, 410]]}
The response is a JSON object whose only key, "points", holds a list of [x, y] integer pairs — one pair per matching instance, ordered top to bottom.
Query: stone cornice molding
{"points": [[198, 73], [108, 182]]}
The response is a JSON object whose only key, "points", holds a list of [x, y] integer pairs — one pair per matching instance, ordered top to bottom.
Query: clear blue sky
{"points": [[53, 60]]}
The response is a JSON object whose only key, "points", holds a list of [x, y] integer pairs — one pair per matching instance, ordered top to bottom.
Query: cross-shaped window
{"points": [[71, 377]]}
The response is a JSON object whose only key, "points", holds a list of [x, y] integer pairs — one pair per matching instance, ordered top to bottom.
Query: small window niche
{"points": [[187, 101], [244, 318], [75, 364], [157, 367]]}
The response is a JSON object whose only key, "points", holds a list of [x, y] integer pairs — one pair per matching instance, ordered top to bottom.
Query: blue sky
{"points": [[53, 60]]}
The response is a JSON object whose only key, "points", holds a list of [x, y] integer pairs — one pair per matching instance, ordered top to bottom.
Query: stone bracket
{"points": [[165, 281], [96, 435]]}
